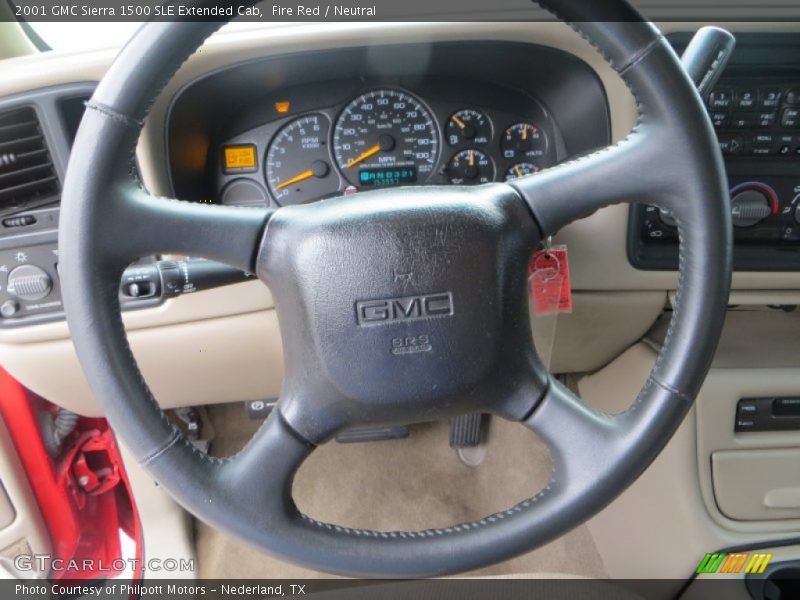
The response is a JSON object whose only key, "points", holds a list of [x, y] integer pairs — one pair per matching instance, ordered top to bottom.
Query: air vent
{"points": [[27, 176]]}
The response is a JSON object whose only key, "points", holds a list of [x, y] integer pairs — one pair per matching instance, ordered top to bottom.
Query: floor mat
{"points": [[414, 483]]}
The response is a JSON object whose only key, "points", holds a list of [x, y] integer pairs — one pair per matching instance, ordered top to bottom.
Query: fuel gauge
{"points": [[468, 126]]}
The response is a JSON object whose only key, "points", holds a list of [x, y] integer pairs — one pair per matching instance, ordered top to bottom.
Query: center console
{"points": [[755, 109]]}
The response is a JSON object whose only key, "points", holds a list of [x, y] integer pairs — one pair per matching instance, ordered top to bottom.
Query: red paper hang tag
{"points": [[550, 287]]}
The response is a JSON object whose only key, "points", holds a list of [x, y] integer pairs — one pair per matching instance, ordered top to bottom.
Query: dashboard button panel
{"points": [[755, 110], [756, 119], [28, 281], [767, 414]]}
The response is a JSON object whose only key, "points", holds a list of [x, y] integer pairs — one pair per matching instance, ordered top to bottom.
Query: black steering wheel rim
{"points": [[108, 219]]}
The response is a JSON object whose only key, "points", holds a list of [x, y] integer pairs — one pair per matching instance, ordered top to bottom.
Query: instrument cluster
{"points": [[303, 149]]}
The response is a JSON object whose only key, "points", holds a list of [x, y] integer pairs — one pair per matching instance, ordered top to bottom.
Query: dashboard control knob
{"points": [[752, 203], [796, 203], [667, 218], [29, 282], [9, 308]]}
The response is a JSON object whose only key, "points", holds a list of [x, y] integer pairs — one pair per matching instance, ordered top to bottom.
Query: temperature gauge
{"points": [[470, 167], [521, 169]]}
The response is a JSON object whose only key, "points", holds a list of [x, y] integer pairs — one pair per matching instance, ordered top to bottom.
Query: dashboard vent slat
{"points": [[18, 129], [32, 142], [27, 174], [24, 175], [9, 194]]}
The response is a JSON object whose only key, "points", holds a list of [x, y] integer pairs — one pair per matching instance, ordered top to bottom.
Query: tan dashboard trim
{"points": [[238, 299], [229, 359], [670, 506]]}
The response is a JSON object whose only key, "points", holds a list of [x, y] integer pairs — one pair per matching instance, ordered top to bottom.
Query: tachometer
{"points": [[385, 137], [297, 162]]}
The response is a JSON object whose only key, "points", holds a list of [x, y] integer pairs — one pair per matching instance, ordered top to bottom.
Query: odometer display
{"points": [[385, 130], [387, 176]]}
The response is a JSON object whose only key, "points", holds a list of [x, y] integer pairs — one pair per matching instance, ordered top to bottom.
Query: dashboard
{"points": [[537, 73], [298, 127], [301, 128], [295, 129], [352, 135]]}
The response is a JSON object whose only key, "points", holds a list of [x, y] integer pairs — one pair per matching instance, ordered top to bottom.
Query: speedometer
{"points": [[385, 137]]}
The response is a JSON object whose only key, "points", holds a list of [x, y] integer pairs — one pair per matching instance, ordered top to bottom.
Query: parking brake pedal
{"points": [[259, 409]]}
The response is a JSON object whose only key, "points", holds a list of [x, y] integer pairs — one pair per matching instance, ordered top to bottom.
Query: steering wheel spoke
{"points": [[575, 189], [142, 224], [563, 419], [595, 454], [265, 468]]}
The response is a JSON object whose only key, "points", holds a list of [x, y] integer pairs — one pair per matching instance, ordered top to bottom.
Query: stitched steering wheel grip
{"points": [[329, 266]]}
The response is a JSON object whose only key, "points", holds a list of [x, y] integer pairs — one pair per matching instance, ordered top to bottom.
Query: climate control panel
{"points": [[755, 111], [765, 213]]}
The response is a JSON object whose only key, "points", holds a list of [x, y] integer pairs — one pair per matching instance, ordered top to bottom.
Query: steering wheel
{"points": [[346, 317]]}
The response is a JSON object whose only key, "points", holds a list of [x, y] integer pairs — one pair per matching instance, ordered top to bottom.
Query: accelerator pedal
{"points": [[466, 437]]}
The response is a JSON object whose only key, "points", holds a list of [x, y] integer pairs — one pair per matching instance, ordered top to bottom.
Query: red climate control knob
{"points": [[752, 202]]}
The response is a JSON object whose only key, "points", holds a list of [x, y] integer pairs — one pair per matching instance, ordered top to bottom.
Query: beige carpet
{"points": [[413, 483]]}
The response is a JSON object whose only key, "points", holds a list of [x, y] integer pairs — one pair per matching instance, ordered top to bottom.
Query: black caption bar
{"points": [[374, 10], [354, 589]]}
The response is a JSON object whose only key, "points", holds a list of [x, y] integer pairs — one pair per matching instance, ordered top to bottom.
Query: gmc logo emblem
{"points": [[409, 308]]}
